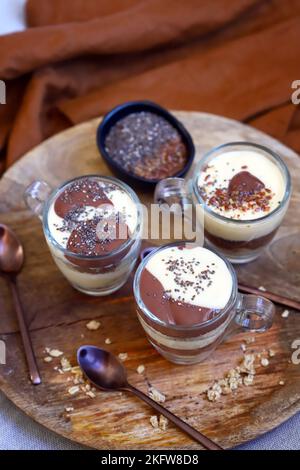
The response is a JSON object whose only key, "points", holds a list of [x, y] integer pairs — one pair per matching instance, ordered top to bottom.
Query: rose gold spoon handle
{"points": [[11, 263], [30, 357], [106, 372], [203, 440]]}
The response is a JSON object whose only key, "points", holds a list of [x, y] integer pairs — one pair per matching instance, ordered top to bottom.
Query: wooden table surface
{"points": [[57, 315]]}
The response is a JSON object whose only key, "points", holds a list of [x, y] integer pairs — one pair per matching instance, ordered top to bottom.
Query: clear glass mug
{"points": [[240, 241], [92, 275], [194, 343]]}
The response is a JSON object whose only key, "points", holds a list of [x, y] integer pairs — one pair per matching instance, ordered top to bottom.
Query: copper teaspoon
{"points": [[11, 262], [106, 372]]}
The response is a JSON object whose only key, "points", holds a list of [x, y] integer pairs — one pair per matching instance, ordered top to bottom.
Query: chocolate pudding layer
{"points": [[242, 188], [91, 217], [92, 221], [236, 245], [185, 285], [187, 289], [168, 310]]}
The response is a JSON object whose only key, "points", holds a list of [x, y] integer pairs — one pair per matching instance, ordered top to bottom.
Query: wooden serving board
{"points": [[57, 316]]}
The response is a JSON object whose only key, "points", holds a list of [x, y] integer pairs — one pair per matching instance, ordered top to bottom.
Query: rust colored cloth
{"points": [[79, 58]]}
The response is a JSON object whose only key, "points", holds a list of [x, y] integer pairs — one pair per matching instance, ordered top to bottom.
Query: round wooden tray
{"points": [[57, 316]]}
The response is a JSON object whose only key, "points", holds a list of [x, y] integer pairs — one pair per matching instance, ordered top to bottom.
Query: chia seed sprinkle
{"points": [[146, 145], [224, 199], [81, 209], [180, 269]]}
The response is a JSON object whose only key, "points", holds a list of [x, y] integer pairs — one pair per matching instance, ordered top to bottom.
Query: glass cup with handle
{"points": [[240, 212], [82, 222], [186, 333]]}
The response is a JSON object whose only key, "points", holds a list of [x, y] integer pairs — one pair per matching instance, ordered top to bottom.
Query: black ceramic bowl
{"points": [[125, 109]]}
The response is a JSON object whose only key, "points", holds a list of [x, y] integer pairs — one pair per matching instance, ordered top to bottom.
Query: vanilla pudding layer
{"points": [[219, 174], [193, 275], [93, 278], [189, 344]]}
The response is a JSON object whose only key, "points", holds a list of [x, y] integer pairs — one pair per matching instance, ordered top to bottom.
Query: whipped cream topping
{"points": [[242, 184], [192, 275]]}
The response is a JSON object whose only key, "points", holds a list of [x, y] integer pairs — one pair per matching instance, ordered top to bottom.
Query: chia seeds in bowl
{"points": [[144, 143]]}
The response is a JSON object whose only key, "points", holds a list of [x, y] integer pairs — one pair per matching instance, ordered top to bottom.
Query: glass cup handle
{"points": [[172, 193], [36, 195], [146, 251], [253, 313]]}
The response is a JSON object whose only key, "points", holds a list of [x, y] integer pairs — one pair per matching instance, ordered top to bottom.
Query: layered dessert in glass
{"points": [[245, 190], [92, 225], [185, 296], [187, 301]]}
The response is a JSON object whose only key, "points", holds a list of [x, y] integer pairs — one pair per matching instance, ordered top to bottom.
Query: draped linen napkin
{"points": [[79, 58]]}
